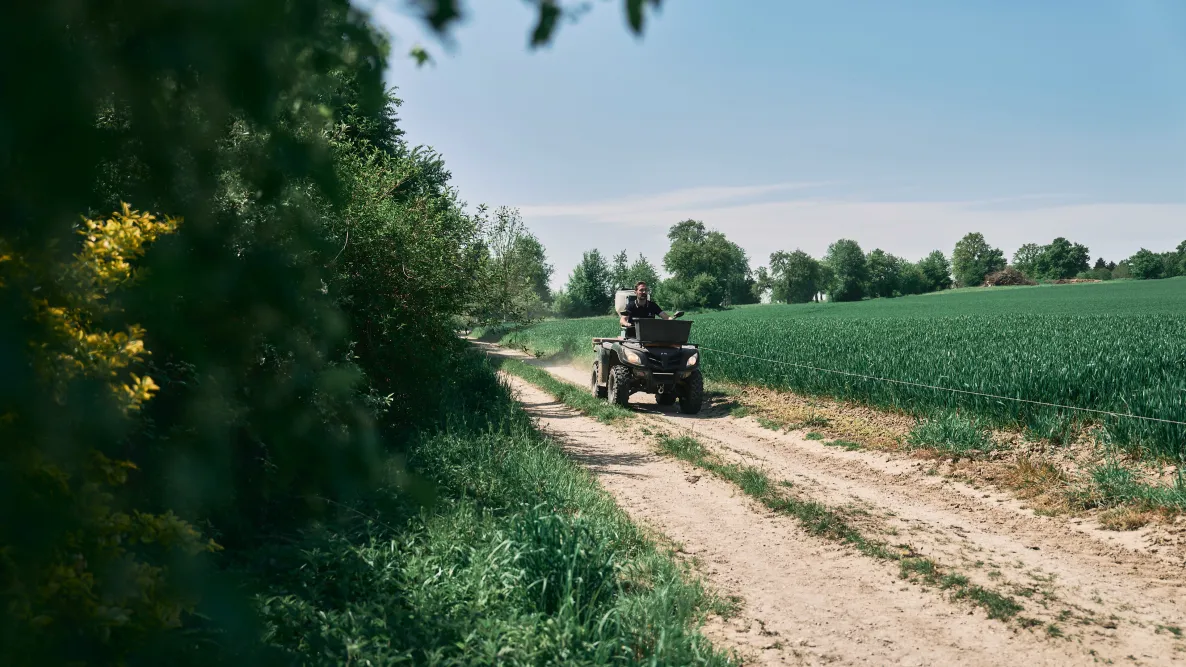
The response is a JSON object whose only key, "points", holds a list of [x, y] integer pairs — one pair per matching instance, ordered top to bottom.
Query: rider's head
{"points": [[640, 291]]}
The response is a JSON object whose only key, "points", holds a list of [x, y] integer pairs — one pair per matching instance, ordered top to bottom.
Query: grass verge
{"points": [[517, 557]]}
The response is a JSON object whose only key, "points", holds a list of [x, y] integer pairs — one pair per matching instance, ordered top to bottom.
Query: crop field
{"points": [[1118, 347]]}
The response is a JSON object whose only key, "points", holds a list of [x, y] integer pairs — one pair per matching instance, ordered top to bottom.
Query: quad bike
{"points": [[654, 358]]}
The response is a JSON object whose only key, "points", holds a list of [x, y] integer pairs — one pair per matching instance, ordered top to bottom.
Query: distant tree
{"points": [[1027, 258], [973, 259], [1063, 259], [1174, 261], [1099, 264], [1146, 265], [1111, 266], [536, 268], [641, 270], [707, 270], [936, 271], [1122, 271], [619, 272], [850, 272], [885, 272], [794, 277], [827, 278], [911, 279], [762, 283], [514, 287], [588, 290]]}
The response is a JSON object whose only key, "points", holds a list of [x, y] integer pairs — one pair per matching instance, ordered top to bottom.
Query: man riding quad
{"points": [[641, 308], [650, 356]]}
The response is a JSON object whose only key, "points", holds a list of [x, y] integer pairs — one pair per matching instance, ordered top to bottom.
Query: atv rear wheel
{"points": [[619, 385], [596, 389], [693, 394]]}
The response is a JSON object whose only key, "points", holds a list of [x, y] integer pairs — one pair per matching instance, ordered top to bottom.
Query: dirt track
{"points": [[808, 600]]}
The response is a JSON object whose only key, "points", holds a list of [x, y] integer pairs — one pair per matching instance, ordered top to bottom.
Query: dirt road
{"points": [[1088, 596]]}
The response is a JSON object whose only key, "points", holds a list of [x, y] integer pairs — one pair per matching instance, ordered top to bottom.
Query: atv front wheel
{"points": [[619, 385], [596, 389], [693, 394]]}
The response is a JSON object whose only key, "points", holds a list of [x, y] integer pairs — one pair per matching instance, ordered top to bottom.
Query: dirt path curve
{"points": [[811, 601]]}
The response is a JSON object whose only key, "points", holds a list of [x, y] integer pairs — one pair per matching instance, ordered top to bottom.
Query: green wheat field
{"points": [[1116, 346]]}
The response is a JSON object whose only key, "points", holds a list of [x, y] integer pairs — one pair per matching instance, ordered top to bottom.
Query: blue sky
{"points": [[790, 124]]}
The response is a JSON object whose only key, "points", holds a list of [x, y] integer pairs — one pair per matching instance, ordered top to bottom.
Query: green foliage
{"points": [[973, 259], [1058, 259], [1146, 265], [707, 270], [850, 271], [936, 271], [885, 273], [795, 277], [513, 283], [588, 291], [299, 321], [1110, 346], [952, 433], [1113, 485], [518, 558]]}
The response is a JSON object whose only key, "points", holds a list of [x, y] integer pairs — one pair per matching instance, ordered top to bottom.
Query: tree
{"points": [[1027, 258], [973, 259], [1063, 259], [1099, 264], [1146, 265], [707, 270], [619, 271], [641, 271], [936, 271], [850, 273], [884, 273], [794, 277], [911, 279], [762, 283], [514, 287], [588, 289]]}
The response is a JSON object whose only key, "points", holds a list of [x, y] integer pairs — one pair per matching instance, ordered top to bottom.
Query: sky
{"points": [[790, 124]]}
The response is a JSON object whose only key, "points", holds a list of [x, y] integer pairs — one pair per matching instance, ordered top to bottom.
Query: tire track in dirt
{"points": [[811, 601]]}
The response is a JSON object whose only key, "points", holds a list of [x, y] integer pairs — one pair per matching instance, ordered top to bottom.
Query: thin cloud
{"points": [[663, 203]]}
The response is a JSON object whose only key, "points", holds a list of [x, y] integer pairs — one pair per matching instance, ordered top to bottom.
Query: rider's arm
{"points": [[663, 314]]}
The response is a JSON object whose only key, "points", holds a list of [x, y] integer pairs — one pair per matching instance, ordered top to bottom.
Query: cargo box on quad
{"points": [[655, 359]]}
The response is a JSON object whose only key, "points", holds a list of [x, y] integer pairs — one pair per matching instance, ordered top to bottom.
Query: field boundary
{"points": [[949, 389]]}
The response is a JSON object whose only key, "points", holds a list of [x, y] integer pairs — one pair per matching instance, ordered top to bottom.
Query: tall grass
{"points": [[520, 559]]}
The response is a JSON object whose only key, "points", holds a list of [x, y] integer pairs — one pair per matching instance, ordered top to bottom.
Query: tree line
{"points": [[707, 270]]}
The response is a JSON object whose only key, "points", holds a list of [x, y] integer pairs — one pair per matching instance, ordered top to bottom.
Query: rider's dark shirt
{"points": [[635, 310]]}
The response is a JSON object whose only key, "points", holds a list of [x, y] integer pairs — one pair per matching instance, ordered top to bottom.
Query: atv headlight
{"points": [[632, 357], [692, 360]]}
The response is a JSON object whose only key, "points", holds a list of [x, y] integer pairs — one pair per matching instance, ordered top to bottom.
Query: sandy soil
{"points": [[1099, 595]]}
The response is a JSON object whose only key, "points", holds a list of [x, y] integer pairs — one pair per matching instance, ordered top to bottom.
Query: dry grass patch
{"points": [[876, 429], [1041, 482], [1125, 518]]}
